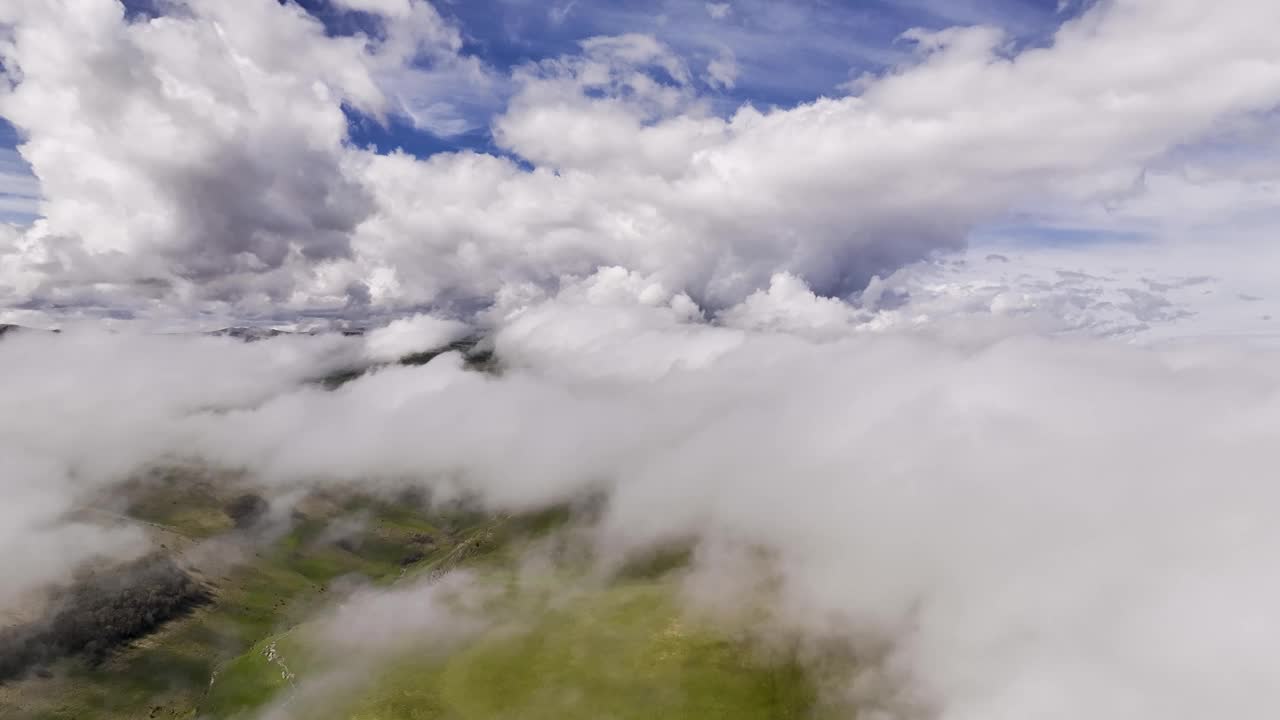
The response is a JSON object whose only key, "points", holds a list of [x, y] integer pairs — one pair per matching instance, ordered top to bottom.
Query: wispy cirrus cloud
{"points": [[19, 189]]}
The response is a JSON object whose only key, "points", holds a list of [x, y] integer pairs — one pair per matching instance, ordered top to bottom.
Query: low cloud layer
{"points": [[86, 409], [1020, 526]]}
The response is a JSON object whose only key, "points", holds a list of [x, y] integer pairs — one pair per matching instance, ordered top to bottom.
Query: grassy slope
{"points": [[620, 651], [167, 674], [251, 680]]}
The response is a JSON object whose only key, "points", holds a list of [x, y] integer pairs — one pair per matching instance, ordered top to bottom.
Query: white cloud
{"points": [[387, 8], [718, 10], [722, 71], [190, 166], [631, 166], [221, 171], [1146, 291], [789, 305], [410, 335], [87, 408], [1020, 526], [42, 546]]}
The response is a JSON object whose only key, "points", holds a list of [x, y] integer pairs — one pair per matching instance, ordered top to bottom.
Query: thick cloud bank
{"points": [[200, 158], [84, 409], [1006, 525]]}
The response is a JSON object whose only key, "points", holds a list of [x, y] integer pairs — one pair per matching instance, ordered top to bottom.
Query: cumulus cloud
{"points": [[200, 154], [220, 154], [204, 192], [790, 305], [412, 334]]}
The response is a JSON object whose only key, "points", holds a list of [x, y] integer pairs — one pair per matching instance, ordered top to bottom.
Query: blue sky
{"points": [[787, 52], [18, 190]]}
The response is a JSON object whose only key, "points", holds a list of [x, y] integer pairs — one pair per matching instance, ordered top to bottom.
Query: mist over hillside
{"points": [[392, 359], [966, 510]]}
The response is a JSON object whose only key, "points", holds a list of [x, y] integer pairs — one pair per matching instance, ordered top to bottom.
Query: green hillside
{"points": [[560, 647]]}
